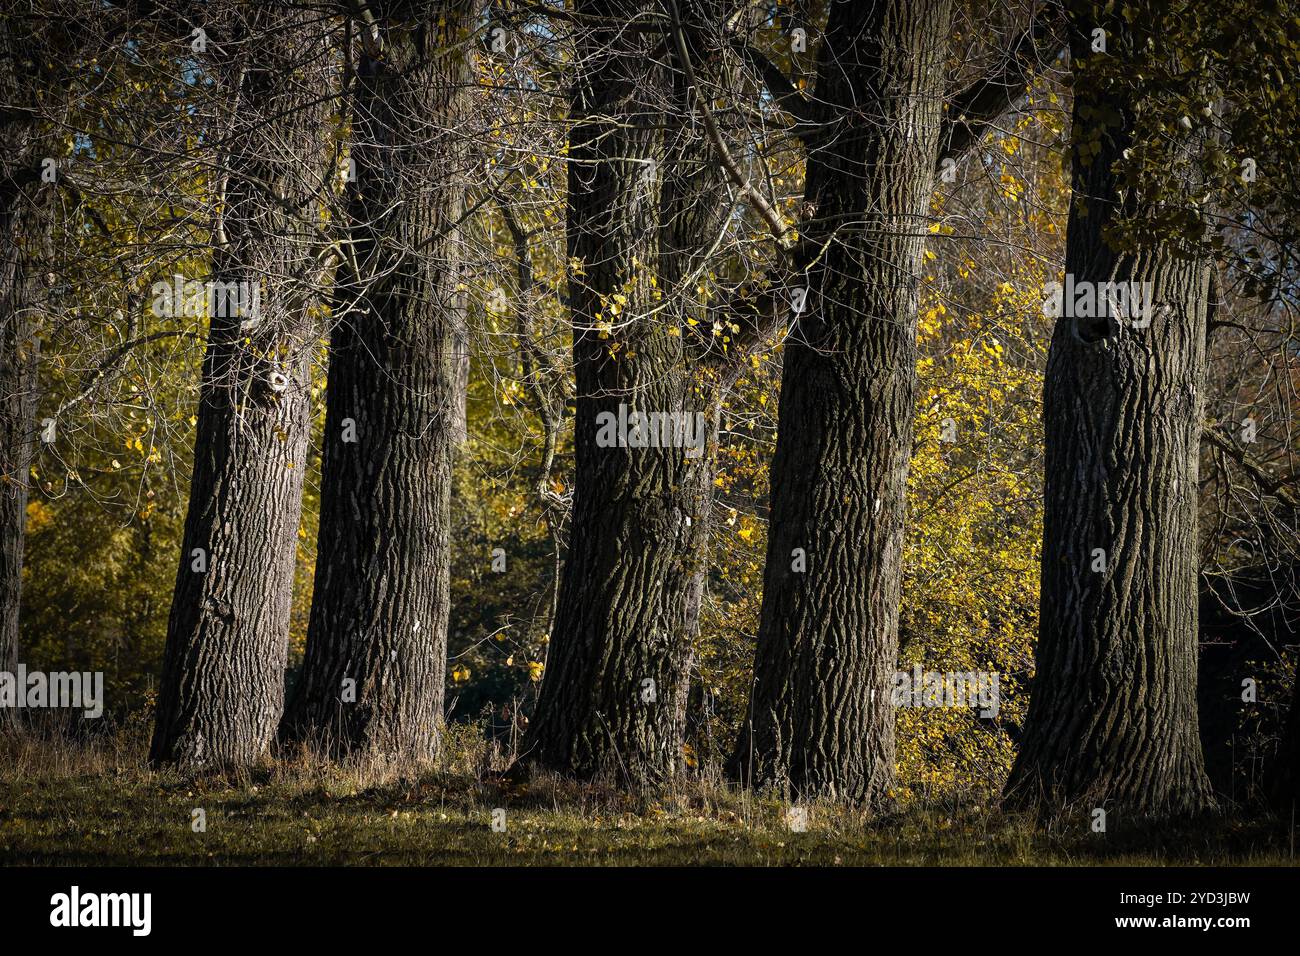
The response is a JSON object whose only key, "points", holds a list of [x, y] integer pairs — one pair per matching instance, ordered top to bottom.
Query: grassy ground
{"points": [[99, 805]]}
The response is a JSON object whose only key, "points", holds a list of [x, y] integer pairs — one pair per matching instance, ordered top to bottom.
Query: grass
{"points": [[97, 803]]}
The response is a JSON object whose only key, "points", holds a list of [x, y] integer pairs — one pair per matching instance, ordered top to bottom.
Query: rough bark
{"points": [[33, 56], [641, 202], [18, 350], [382, 591], [222, 685], [820, 720], [1112, 720]]}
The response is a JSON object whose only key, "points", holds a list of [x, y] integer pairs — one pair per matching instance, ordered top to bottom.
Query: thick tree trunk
{"points": [[21, 76], [641, 202], [18, 432], [372, 680], [222, 685], [1112, 719], [821, 720]]}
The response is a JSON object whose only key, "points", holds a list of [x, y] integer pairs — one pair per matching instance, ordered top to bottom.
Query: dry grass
{"points": [[95, 802]]}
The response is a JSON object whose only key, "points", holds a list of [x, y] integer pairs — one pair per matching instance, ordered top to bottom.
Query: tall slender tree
{"points": [[37, 51], [21, 65], [645, 204], [372, 680], [222, 686], [820, 717], [1112, 719]]}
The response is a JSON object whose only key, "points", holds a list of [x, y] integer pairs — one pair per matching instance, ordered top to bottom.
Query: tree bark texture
{"points": [[19, 179], [644, 202], [373, 677], [222, 686], [1112, 720], [821, 723]]}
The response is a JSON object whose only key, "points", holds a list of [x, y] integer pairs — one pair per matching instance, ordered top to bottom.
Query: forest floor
{"points": [[99, 805]]}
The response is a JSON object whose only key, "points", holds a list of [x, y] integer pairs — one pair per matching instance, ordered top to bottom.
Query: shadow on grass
{"points": [[65, 804]]}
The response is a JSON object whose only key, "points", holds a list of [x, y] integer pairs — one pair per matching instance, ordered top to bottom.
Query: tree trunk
{"points": [[23, 74], [641, 202], [18, 352], [373, 678], [222, 685], [1112, 719], [821, 720]]}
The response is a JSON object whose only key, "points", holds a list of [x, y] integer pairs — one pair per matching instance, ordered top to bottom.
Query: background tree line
{"points": [[826, 228]]}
